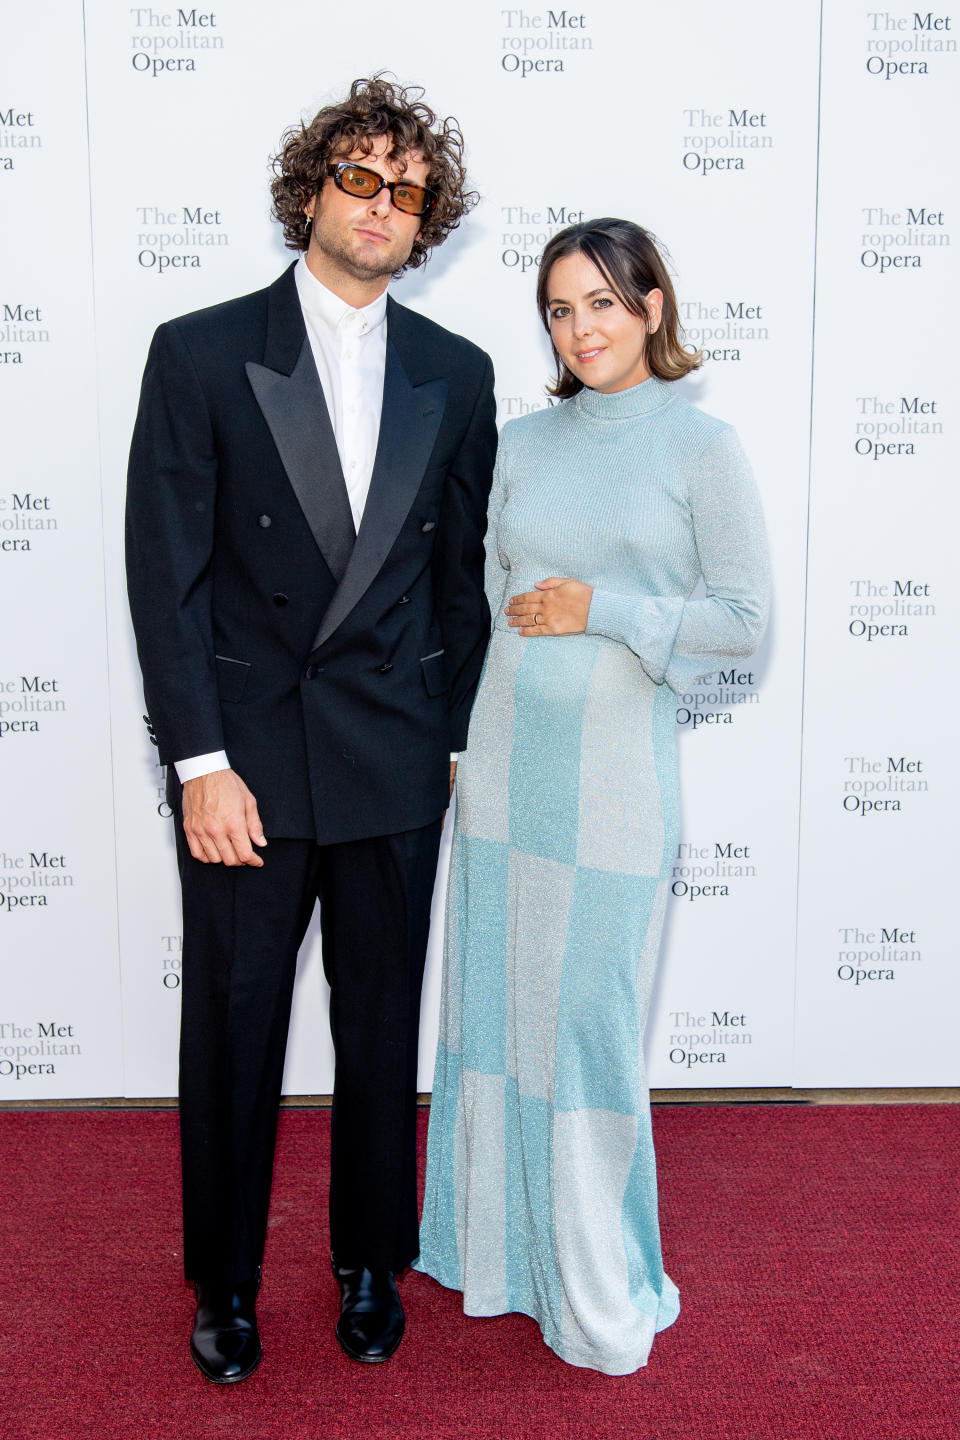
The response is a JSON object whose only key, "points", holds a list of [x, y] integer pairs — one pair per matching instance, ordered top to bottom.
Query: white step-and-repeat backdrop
{"points": [[795, 163]]}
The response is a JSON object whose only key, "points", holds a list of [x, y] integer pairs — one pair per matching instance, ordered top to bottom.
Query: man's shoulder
{"points": [[222, 319], [219, 338], [443, 346]]}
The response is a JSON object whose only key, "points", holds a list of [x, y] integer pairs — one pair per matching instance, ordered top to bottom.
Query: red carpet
{"points": [[815, 1250]]}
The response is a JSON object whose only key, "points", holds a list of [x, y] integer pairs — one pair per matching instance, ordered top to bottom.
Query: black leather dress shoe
{"points": [[371, 1317], [225, 1344]]}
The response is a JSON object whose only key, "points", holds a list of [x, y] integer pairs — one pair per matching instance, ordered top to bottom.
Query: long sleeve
{"points": [[171, 500], [458, 558], [495, 572], [678, 639]]}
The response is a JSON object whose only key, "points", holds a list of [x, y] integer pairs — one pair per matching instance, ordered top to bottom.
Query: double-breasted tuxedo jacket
{"points": [[336, 670]]}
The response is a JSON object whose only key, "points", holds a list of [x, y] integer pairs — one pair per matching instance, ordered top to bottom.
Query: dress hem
{"points": [[569, 1357]]}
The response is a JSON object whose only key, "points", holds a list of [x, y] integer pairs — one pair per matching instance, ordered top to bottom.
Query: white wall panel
{"points": [[793, 163], [877, 948], [60, 1027]]}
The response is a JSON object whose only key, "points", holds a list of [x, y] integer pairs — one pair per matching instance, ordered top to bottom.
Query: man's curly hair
{"points": [[374, 107]]}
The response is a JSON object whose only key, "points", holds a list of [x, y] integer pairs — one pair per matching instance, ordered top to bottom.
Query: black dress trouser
{"points": [[242, 928]]}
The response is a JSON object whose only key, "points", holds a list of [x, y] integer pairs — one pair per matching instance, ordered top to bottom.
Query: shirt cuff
{"points": [[647, 624], [454, 757], [199, 765]]}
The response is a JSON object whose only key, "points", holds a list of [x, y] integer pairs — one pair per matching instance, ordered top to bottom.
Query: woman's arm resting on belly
{"points": [[677, 639]]}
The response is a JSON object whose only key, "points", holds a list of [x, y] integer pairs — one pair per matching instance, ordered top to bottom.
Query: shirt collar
{"points": [[326, 310]]}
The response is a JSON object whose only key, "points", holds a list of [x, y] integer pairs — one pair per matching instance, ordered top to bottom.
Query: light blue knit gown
{"points": [[541, 1182]]}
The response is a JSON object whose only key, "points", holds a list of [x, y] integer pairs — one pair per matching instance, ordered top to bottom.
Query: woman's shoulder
{"points": [[701, 428], [526, 429], [711, 447]]}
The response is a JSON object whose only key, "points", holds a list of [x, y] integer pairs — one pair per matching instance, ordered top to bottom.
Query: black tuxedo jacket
{"points": [[336, 670]]}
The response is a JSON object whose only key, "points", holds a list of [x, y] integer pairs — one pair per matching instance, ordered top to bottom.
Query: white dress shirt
{"points": [[349, 349]]}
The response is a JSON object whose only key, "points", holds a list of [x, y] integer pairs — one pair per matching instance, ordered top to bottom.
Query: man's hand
{"points": [[558, 606], [453, 776], [220, 820]]}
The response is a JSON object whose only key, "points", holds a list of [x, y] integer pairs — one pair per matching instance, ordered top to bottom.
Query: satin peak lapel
{"points": [[296, 412], [409, 422]]}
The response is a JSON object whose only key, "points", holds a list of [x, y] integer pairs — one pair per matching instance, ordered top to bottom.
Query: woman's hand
{"points": [[557, 607]]}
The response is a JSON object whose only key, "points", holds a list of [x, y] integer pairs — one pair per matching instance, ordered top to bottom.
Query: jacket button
{"points": [[264, 522], [427, 525], [280, 598], [404, 600], [385, 669], [311, 672]]}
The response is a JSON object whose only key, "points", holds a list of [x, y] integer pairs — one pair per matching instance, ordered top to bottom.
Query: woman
{"points": [[605, 513]]}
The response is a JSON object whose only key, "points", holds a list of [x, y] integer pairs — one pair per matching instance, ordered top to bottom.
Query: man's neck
{"points": [[352, 291]]}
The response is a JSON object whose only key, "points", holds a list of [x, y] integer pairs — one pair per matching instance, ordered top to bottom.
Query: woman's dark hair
{"points": [[375, 107], [628, 259]]}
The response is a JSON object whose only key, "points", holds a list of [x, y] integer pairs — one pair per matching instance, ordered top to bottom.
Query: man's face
{"points": [[366, 240]]}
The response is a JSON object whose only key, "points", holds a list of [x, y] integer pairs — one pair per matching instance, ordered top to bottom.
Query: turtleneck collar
{"points": [[642, 399]]}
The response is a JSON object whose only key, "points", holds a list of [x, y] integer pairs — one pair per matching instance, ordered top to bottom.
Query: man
{"points": [[306, 507]]}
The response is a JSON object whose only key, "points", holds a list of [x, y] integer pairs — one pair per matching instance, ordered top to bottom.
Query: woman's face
{"points": [[598, 339]]}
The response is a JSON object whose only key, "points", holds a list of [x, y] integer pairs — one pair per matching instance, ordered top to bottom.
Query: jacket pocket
{"points": [[434, 672], [231, 678]]}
